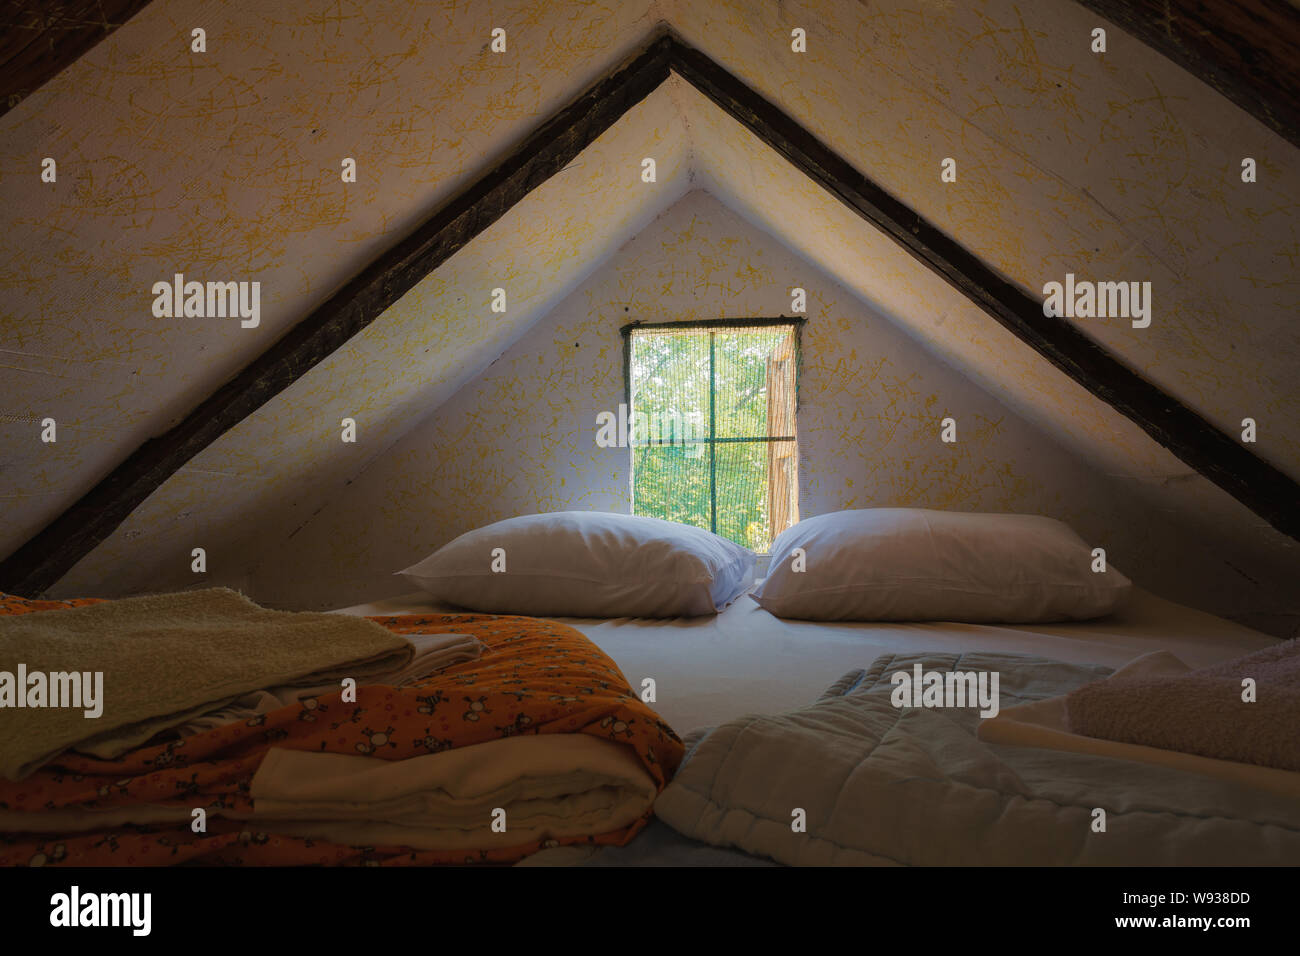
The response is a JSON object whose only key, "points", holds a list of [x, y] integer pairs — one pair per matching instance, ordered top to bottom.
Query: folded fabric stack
{"points": [[431, 654], [170, 657], [1245, 710], [1046, 724], [317, 738]]}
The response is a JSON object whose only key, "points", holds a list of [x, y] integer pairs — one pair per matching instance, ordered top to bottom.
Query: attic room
{"points": [[601, 434]]}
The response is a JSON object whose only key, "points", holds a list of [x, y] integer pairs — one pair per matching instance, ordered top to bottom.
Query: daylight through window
{"points": [[712, 413]]}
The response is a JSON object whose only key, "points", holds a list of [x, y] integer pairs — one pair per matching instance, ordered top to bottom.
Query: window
{"points": [[711, 407]]}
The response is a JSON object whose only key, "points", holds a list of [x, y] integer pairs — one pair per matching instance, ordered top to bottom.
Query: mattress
{"points": [[747, 661]]}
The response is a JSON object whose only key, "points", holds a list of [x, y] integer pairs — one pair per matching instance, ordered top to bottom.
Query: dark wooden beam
{"points": [[38, 38], [1248, 50], [1265, 490], [61, 544], [52, 552]]}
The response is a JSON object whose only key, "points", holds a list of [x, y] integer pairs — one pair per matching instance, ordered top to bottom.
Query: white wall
{"points": [[520, 438]]}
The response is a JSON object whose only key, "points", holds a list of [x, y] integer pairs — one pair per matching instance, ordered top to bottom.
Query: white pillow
{"points": [[587, 564], [910, 564]]}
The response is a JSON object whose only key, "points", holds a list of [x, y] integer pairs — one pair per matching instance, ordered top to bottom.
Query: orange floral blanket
{"points": [[536, 677]]}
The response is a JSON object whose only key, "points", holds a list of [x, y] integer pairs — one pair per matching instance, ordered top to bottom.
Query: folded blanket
{"points": [[433, 653], [161, 659], [535, 679], [1202, 711], [1042, 723], [549, 787]]}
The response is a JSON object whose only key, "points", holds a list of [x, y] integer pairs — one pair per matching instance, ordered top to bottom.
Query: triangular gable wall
{"points": [[520, 437], [269, 504]]}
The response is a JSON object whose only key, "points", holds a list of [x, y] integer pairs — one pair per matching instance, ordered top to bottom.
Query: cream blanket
{"points": [[165, 658], [1202, 711], [1043, 723], [548, 785], [537, 787]]}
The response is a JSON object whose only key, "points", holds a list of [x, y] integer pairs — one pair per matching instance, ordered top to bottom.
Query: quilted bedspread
{"points": [[854, 780]]}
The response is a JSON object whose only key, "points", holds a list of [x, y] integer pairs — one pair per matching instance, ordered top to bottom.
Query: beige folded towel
{"points": [[433, 652], [168, 657], [1202, 711], [1042, 724]]}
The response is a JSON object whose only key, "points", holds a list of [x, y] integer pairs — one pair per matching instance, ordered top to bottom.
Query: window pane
{"points": [[744, 358], [670, 385], [709, 408], [672, 482], [742, 490]]}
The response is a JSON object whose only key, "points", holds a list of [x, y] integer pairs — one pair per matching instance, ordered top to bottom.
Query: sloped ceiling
{"points": [[225, 166], [1117, 166], [769, 193], [267, 475]]}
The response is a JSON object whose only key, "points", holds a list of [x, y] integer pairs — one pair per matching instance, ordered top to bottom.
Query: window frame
{"points": [[796, 322]]}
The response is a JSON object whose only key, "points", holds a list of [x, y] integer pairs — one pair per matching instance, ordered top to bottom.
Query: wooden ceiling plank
{"points": [[36, 44], [1248, 50], [53, 551]]}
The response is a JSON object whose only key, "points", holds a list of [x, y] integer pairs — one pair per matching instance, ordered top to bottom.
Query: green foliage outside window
{"points": [[701, 443]]}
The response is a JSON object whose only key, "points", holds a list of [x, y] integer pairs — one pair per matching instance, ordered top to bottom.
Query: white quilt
{"points": [[854, 780]]}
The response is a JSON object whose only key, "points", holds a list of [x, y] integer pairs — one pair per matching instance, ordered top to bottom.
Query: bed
{"points": [[745, 660], [726, 681], [317, 781]]}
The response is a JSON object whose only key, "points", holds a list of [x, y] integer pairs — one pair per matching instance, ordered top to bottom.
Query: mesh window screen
{"points": [[712, 410]]}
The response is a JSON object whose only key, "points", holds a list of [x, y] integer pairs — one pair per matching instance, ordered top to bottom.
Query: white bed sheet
{"points": [[744, 660]]}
